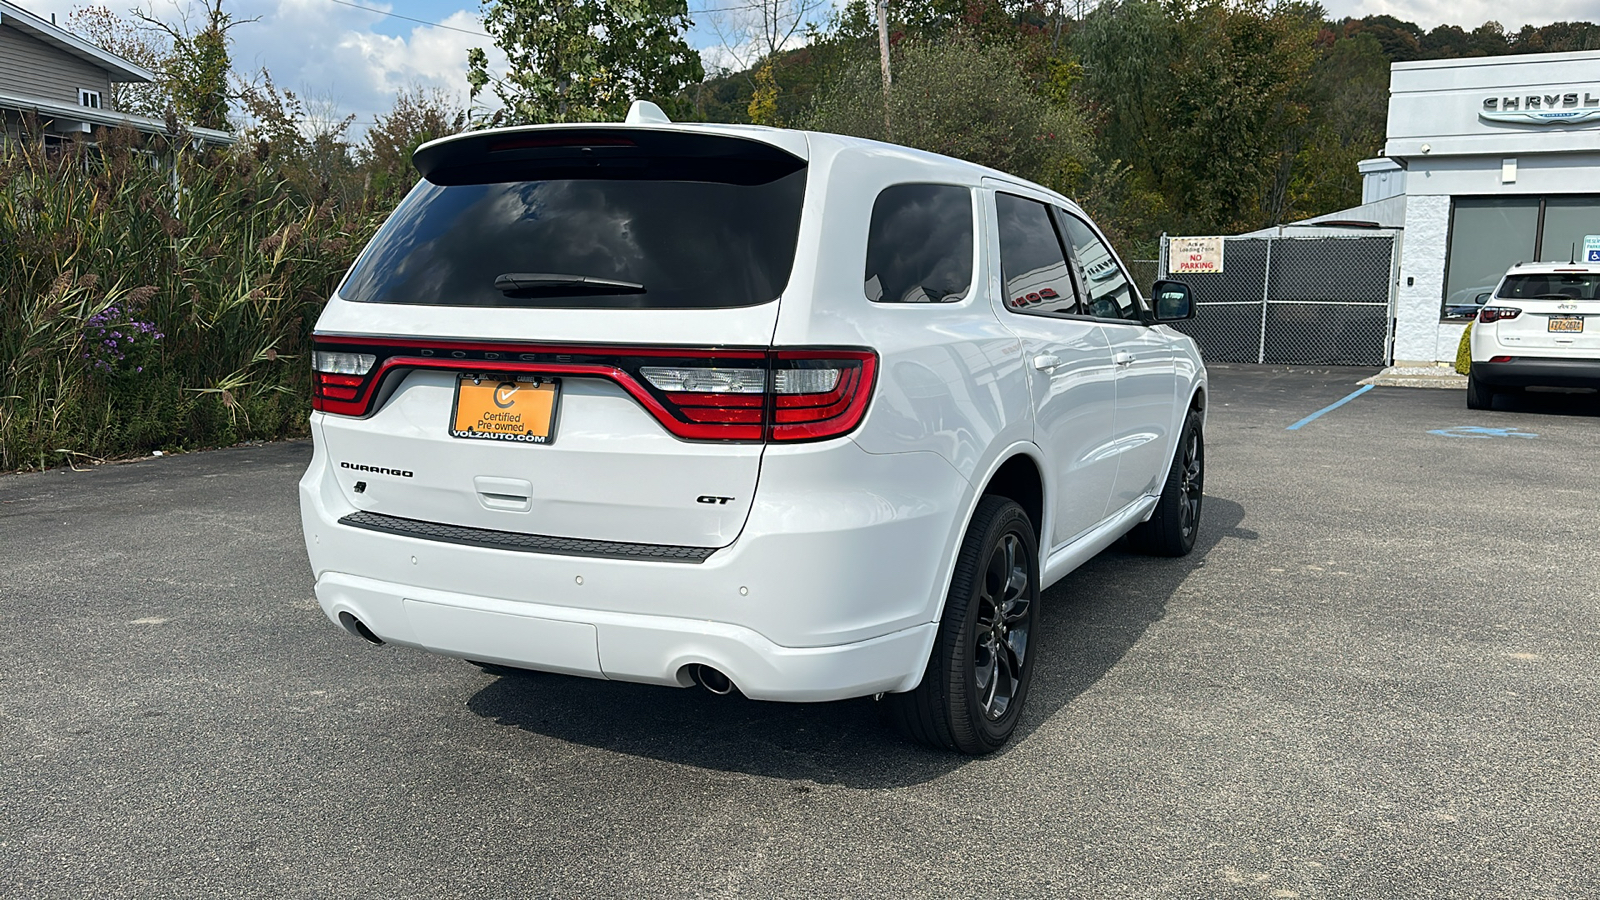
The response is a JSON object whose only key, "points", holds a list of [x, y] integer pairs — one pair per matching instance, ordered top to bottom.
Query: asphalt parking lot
{"points": [[1377, 677]]}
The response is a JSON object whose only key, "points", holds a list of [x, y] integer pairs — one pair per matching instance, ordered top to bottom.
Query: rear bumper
{"points": [[1551, 372], [830, 591], [624, 647]]}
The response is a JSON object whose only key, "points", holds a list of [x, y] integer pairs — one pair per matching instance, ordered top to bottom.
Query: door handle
{"points": [[1123, 359], [1044, 362]]}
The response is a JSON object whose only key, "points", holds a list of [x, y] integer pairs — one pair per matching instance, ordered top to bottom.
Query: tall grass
{"points": [[147, 306]]}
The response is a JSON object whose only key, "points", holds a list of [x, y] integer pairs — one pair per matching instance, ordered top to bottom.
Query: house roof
{"points": [[115, 66], [110, 118]]}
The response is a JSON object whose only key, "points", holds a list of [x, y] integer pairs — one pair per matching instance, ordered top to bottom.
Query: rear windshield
{"points": [[586, 243], [1554, 286]]}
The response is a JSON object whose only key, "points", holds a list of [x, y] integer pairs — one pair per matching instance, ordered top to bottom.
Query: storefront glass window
{"points": [[1567, 220], [1488, 235]]}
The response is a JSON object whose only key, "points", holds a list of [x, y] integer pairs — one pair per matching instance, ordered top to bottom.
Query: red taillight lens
{"points": [[1497, 313], [338, 378], [820, 394], [697, 395]]}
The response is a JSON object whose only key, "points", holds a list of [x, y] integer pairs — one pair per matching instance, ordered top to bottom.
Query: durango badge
{"points": [[376, 470]]}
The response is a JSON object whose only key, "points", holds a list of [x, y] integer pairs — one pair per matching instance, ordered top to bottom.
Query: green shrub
{"points": [[146, 306], [1464, 351]]}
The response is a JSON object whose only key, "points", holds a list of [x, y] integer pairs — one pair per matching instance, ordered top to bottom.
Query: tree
{"points": [[756, 30], [1557, 37], [1401, 41], [1454, 42], [139, 44], [583, 60], [197, 70], [1351, 90], [959, 98], [1206, 100], [419, 115], [304, 143]]}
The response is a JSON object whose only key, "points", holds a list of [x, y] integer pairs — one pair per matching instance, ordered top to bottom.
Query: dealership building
{"points": [[1489, 162]]}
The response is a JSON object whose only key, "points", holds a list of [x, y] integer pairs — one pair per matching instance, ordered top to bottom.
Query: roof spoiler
{"points": [[626, 151]]}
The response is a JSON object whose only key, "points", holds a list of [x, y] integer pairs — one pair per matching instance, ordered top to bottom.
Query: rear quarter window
{"points": [[919, 244]]}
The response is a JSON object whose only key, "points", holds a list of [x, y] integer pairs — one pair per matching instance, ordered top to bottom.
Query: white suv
{"points": [[1541, 327], [804, 415]]}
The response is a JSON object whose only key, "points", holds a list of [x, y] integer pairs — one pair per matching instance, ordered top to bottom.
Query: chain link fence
{"points": [[1145, 274], [1314, 300]]}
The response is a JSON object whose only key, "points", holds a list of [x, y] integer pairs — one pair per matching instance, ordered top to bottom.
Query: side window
{"points": [[919, 245], [1031, 262], [1109, 293]]}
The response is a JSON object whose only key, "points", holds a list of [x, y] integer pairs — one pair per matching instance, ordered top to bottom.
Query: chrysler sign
{"points": [[1543, 109]]}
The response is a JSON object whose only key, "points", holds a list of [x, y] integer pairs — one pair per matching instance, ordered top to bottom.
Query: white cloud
{"points": [[331, 54]]}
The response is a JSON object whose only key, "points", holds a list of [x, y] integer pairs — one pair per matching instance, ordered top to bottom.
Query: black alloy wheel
{"points": [[1173, 527], [1005, 616], [972, 693]]}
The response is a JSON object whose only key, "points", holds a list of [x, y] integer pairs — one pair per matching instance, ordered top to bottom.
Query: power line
{"points": [[408, 18]]}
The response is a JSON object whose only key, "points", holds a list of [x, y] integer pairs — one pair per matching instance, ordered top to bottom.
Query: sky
{"points": [[357, 60]]}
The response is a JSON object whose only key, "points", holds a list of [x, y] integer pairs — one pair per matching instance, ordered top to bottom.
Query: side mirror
{"points": [[1173, 303]]}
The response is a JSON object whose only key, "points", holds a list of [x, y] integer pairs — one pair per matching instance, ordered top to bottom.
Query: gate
{"points": [[1315, 300]]}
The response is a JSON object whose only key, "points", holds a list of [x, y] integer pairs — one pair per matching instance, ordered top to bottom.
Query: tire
{"points": [[1479, 395], [1171, 530], [971, 696]]}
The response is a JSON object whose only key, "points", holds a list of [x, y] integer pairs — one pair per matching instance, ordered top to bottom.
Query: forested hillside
{"points": [[1185, 116]]}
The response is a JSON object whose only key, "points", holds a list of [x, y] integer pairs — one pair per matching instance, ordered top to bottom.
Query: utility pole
{"points": [[883, 56]]}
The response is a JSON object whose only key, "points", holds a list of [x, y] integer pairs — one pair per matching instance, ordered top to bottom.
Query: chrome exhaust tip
{"points": [[359, 628], [712, 680]]}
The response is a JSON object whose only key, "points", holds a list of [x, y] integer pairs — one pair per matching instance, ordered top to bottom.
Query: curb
{"points": [[1418, 377]]}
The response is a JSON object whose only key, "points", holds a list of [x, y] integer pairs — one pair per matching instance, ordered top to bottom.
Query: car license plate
{"points": [[1567, 324], [518, 408]]}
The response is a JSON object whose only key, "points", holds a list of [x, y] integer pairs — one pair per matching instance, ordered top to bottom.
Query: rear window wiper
{"points": [[558, 283]]}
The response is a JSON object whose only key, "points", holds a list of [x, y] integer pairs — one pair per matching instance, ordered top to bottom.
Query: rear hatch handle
{"points": [[508, 494]]}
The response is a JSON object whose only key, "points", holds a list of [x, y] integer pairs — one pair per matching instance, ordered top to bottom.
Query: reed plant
{"points": [[158, 300]]}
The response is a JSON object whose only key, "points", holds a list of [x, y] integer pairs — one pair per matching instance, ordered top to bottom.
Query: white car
{"points": [[1541, 327], [806, 416]]}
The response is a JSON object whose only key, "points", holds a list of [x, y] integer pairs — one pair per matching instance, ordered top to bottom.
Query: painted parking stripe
{"points": [[1329, 408]]}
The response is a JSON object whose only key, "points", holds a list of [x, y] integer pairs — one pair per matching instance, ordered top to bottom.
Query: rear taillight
{"points": [[1497, 313], [338, 380], [819, 393], [698, 395]]}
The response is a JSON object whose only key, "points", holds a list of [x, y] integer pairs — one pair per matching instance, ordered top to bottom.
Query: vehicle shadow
{"points": [[1551, 402], [1090, 621]]}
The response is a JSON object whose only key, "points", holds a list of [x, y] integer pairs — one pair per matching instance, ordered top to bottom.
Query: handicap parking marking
{"points": [[1329, 408], [1481, 432]]}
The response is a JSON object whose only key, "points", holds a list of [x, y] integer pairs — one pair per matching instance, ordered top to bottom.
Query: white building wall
{"points": [[1416, 327]]}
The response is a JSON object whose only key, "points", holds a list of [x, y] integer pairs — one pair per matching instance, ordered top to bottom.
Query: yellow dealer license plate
{"points": [[1571, 325], [519, 408]]}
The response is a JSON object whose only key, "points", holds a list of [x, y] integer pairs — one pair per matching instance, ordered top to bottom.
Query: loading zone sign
{"points": [[1591, 248], [1194, 256]]}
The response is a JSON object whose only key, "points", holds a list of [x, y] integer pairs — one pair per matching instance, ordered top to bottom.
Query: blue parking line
{"points": [[1329, 408]]}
